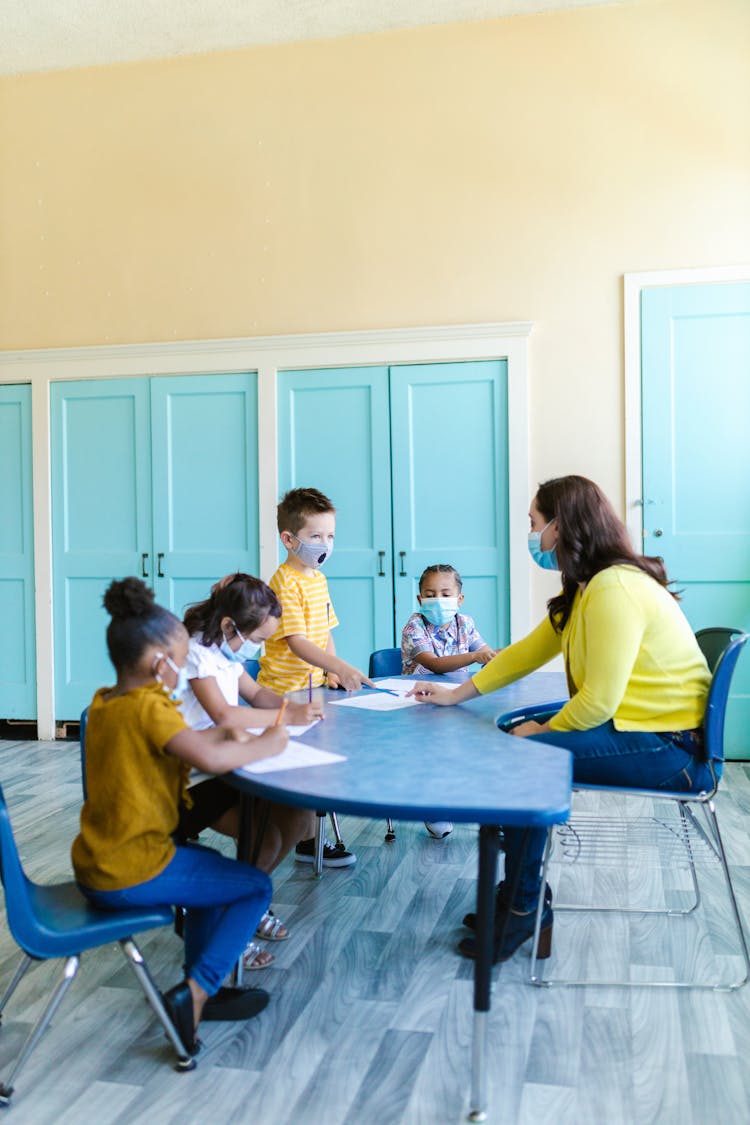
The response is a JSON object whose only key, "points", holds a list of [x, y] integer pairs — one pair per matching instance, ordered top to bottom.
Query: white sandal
{"points": [[269, 927], [251, 955]]}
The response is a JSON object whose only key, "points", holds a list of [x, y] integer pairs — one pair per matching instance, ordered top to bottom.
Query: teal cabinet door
{"points": [[695, 372], [449, 430], [334, 436], [153, 477], [205, 483], [101, 521], [18, 653]]}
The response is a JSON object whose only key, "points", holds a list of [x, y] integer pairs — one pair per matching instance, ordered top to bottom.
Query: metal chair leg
{"points": [[390, 834], [339, 839], [25, 963], [139, 967], [69, 972]]}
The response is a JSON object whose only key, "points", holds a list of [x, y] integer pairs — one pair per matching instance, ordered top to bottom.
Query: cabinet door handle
{"points": [[402, 556], [144, 557], [159, 559], [381, 564]]}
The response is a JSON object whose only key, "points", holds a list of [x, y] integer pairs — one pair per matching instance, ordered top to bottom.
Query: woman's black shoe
{"points": [[470, 920], [519, 928], [179, 1004], [235, 1004]]}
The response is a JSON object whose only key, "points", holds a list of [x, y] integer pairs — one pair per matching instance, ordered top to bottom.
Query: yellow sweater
{"points": [[630, 656], [134, 789]]}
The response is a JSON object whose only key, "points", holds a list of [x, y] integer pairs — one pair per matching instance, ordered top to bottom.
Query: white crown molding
{"points": [[245, 352]]}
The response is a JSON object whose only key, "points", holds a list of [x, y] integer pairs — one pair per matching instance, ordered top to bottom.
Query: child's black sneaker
{"points": [[333, 855]]}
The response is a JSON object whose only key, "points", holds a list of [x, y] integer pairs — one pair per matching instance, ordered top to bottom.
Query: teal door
{"points": [[449, 430], [334, 435], [204, 454], [414, 458], [696, 459], [152, 477], [18, 652]]}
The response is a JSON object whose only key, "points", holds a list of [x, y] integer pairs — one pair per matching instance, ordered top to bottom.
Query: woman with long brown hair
{"points": [[637, 679]]}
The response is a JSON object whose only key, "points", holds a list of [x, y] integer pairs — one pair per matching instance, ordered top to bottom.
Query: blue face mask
{"points": [[312, 554], [547, 560], [439, 611], [248, 650], [178, 691]]}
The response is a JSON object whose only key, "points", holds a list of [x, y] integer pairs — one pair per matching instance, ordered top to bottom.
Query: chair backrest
{"points": [[713, 642], [385, 662], [252, 667], [718, 695], [82, 739], [21, 922]]}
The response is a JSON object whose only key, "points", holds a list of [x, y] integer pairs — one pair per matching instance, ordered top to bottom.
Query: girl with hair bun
{"points": [[139, 752]]}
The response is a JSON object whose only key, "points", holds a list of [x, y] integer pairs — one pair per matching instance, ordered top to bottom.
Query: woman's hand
{"points": [[433, 693], [302, 714], [523, 730]]}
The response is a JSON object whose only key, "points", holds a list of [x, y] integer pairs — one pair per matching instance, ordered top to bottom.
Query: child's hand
{"points": [[484, 655], [351, 679], [333, 680], [432, 693], [300, 714], [273, 741]]}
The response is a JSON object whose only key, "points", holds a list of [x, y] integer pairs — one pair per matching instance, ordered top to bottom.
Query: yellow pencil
{"points": [[280, 715]]}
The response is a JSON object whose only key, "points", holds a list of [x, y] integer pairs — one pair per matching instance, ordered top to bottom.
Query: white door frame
{"points": [[634, 284], [267, 355]]}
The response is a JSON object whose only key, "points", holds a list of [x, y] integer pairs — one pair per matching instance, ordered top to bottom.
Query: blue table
{"points": [[437, 763]]}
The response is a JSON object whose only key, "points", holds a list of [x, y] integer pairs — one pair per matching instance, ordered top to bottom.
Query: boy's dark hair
{"points": [[297, 505], [441, 568], [247, 600], [137, 622]]}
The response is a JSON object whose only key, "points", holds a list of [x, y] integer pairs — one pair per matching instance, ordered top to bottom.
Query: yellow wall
{"points": [[506, 170]]}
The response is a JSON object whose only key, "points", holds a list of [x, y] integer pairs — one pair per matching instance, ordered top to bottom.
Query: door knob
{"points": [[658, 532], [144, 557], [159, 561], [381, 564]]}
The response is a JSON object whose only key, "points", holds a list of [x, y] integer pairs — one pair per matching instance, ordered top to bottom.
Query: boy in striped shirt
{"points": [[302, 644]]}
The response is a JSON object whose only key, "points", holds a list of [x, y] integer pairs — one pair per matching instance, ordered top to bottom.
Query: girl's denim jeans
{"points": [[604, 756], [224, 899]]}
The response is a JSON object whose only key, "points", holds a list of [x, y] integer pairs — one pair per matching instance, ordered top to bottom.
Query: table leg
{"points": [[320, 839], [485, 935]]}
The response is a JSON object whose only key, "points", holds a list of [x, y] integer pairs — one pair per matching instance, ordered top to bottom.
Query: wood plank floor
{"points": [[370, 1017]]}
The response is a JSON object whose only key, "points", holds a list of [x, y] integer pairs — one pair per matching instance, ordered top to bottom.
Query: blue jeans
{"points": [[604, 756], [224, 899]]}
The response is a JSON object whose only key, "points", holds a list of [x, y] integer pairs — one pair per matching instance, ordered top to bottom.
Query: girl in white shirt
{"points": [[226, 630]]}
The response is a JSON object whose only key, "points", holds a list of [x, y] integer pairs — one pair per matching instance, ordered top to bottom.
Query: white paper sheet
{"points": [[383, 700], [294, 732], [296, 756]]}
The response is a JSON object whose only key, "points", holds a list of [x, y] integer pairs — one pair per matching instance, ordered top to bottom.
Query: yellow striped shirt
{"points": [[306, 611]]}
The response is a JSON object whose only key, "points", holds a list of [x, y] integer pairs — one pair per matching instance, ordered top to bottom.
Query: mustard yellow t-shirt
{"points": [[306, 610], [630, 656], [134, 789]]}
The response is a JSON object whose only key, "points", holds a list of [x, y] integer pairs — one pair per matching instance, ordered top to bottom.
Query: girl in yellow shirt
{"points": [[638, 681], [139, 751]]}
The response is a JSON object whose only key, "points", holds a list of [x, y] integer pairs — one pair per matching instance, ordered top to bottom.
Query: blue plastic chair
{"points": [[721, 648], [385, 662], [48, 922]]}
